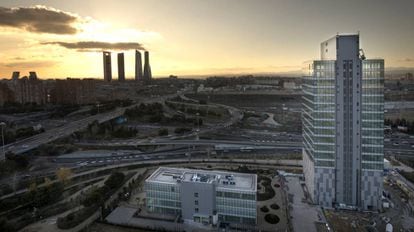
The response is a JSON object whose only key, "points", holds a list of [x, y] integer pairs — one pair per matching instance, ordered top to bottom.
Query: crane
{"points": [[362, 54]]}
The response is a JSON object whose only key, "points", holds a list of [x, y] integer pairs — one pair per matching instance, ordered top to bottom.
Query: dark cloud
{"points": [[38, 19], [98, 46], [28, 64]]}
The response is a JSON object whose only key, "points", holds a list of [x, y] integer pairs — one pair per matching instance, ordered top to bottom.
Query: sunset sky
{"points": [[60, 39]]}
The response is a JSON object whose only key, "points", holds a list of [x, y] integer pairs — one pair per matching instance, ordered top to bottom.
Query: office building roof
{"points": [[223, 180]]}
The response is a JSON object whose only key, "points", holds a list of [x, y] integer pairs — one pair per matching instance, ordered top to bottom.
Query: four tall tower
{"points": [[107, 66], [138, 66], [121, 67], [147, 68], [140, 75]]}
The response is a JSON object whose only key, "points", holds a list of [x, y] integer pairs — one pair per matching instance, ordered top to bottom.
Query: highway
{"points": [[32, 142], [145, 142], [248, 143]]}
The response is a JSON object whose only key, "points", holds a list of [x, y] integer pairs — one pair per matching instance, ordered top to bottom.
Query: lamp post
{"points": [[98, 105], [2, 125], [198, 125]]}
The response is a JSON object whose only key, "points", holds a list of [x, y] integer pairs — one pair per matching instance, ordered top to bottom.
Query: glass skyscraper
{"points": [[343, 113]]}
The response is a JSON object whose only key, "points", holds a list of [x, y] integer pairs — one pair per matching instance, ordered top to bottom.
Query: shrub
{"points": [[181, 130], [163, 132], [408, 175], [115, 180], [269, 193], [93, 198], [274, 206], [264, 209], [272, 218]]}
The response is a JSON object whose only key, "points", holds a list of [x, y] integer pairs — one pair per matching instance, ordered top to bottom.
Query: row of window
{"points": [[371, 64], [369, 124], [373, 166], [162, 187], [163, 195], [244, 196], [162, 202], [236, 202], [162, 210], [247, 212], [235, 219]]}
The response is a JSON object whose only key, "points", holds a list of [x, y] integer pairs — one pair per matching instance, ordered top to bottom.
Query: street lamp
{"points": [[98, 105], [198, 124], [2, 125]]}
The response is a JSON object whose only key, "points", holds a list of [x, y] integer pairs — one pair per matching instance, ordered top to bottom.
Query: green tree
{"points": [[163, 132], [63, 174], [114, 180], [93, 198]]}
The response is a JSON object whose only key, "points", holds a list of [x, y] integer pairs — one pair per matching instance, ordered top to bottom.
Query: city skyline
{"points": [[193, 37]]}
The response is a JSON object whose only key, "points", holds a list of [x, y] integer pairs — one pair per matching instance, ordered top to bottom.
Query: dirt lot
{"points": [[347, 221]]}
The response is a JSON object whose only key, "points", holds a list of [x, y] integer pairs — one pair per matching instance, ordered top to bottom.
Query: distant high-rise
{"points": [[107, 66], [138, 66], [121, 67], [147, 68], [15, 75], [32, 76], [343, 126]]}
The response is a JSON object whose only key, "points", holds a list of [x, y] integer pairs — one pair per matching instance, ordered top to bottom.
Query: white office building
{"points": [[199, 196]]}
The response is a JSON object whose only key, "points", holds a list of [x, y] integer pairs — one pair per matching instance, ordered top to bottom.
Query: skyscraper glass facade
{"points": [[319, 112], [373, 115], [343, 116]]}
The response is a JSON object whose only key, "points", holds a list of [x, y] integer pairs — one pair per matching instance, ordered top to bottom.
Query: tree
{"points": [[181, 130], [163, 132], [63, 174], [115, 180], [48, 182], [33, 187], [93, 198], [5, 226]]}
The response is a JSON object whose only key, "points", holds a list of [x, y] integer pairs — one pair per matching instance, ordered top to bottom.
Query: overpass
{"points": [[33, 142]]}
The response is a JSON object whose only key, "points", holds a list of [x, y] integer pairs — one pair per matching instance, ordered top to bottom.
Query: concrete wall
{"points": [[348, 149], [309, 173], [206, 199]]}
